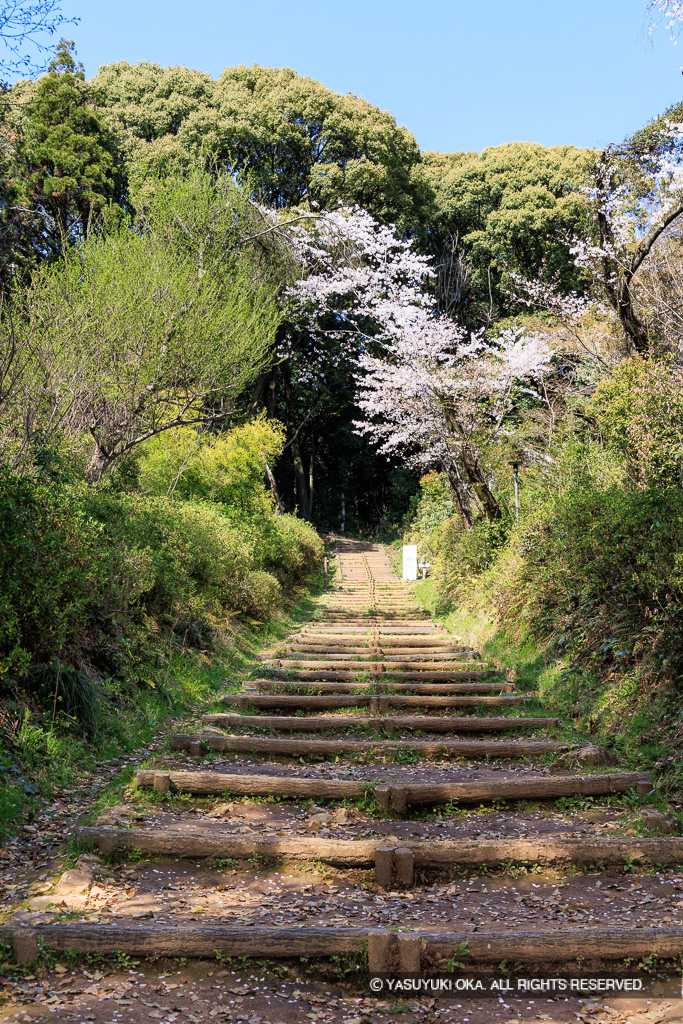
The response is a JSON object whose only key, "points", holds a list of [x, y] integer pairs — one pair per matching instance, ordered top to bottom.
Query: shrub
{"points": [[91, 579]]}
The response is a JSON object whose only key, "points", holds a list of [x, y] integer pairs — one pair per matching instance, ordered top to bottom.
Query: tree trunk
{"points": [[99, 462], [469, 462], [311, 464], [300, 476], [300, 483], [479, 485], [459, 492], [279, 507]]}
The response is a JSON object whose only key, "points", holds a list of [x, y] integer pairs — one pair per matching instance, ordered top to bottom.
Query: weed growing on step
{"points": [[456, 961]]}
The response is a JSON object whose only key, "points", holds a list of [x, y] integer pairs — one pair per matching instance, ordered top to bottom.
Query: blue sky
{"points": [[458, 75]]}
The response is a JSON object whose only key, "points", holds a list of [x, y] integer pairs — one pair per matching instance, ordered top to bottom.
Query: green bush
{"points": [[91, 579]]}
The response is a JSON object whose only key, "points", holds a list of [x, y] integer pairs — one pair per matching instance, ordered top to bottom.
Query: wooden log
{"points": [[422, 628], [443, 641], [389, 653], [416, 668], [296, 673], [325, 686], [288, 700], [442, 700], [330, 701], [425, 723], [327, 748], [224, 783], [162, 784], [544, 787], [383, 798], [398, 800], [205, 843], [581, 850], [384, 865], [404, 865], [188, 938], [600, 943], [25, 945], [557, 945], [381, 952], [409, 953]]}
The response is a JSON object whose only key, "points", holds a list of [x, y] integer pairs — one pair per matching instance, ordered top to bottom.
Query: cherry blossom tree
{"points": [[667, 13], [637, 194], [437, 388]]}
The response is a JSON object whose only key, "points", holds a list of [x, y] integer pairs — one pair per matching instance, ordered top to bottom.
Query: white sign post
{"points": [[410, 562]]}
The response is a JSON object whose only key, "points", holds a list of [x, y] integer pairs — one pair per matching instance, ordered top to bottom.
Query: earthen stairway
{"points": [[411, 718]]}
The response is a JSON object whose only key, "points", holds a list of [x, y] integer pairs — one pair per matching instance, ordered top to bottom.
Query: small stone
{"points": [[588, 754], [220, 811], [316, 821], [659, 821], [75, 882], [41, 902]]}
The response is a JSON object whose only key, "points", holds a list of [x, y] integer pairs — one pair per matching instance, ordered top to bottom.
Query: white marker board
{"points": [[410, 562]]}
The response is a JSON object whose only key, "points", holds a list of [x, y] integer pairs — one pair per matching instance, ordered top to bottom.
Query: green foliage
{"points": [[292, 140], [65, 156], [512, 208], [151, 328], [640, 408], [224, 468], [431, 509], [83, 571]]}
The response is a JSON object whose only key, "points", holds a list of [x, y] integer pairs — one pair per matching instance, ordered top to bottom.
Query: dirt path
{"points": [[374, 791]]}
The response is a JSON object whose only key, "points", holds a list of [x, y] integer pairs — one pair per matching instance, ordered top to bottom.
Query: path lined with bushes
{"points": [[387, 845]]}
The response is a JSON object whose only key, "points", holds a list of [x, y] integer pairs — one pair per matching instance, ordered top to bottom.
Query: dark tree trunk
{"points": [[469, 461], [311, 466], [300, 483], [480, 487], [460, 494]]}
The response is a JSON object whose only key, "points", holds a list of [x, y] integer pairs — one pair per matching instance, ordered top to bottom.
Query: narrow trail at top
{"points": [[436, 815]]}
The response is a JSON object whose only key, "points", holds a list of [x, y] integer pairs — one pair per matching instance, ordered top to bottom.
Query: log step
{"points": [[420, 627], [383, 642], [388, 654], [399, 668], [400, 674], [326, 686], [328, 701], [423, 723], [328, 748], [540, 787], [432, 853], [387, 951]]}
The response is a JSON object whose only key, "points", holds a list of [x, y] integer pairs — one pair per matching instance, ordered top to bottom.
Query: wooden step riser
{"points": [[383, 629], [391, 643], [343, 651], [398, 668], [400, 675], [323, 686], [322, 702], [425, 723], [302, 747], [395, 798], [356, 853], [388, 952]]}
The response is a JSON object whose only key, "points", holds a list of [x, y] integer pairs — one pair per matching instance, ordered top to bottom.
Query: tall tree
{"points": [[291, 140], [65, 159], [510, 208], [145, 328]]}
